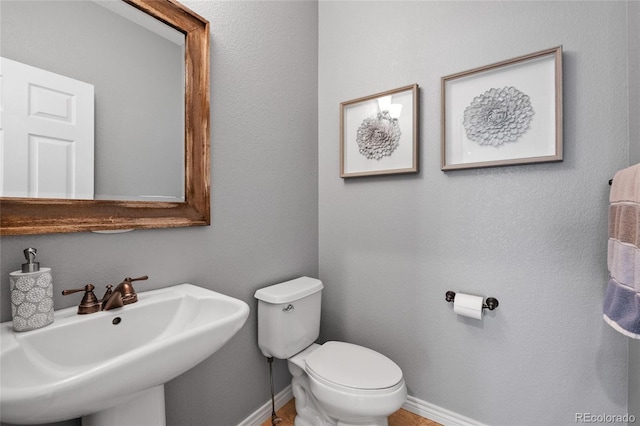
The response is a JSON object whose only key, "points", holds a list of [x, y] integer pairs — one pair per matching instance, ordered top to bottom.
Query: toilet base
{"points": [[307, 412]]}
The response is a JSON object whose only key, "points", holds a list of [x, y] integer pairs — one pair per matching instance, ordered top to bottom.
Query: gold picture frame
{"points": [[503, 114], [379, 133]]}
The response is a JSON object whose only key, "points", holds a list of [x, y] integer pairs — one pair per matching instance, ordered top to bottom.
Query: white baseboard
{"points": [[413, 405], [264, 413], [437, 414]]}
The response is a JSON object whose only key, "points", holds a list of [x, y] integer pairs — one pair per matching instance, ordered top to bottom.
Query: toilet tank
{"points": [[288, 316]]}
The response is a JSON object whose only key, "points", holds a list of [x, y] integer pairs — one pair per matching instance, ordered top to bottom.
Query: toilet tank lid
{"points": [[289, 291]]}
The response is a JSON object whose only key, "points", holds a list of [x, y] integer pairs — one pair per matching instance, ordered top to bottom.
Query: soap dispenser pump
{"points": [[31, 294]]}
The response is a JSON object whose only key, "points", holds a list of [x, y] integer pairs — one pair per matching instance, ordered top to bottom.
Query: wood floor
{"points": [[400, 418]]}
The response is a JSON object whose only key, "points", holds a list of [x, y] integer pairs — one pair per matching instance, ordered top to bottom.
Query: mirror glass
{"points": [[100, 70]]}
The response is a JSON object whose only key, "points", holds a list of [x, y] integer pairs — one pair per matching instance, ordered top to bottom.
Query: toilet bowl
{"points": [[336, 383], [352, 384]]}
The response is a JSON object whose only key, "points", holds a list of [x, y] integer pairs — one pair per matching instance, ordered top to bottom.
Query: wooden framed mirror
{"points": [[23, 216]]}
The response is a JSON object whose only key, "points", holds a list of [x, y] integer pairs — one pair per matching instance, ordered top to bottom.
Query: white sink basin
{"points": [[86, 364]]}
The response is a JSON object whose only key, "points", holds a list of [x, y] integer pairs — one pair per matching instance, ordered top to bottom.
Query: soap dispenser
{"points": [[31, 294]]}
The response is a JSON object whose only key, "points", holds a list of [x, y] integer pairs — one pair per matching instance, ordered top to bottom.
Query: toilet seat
{"points": [[353, 368]]}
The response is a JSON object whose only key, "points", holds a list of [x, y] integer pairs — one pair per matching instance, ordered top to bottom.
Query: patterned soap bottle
{"points": [[31, 294]]}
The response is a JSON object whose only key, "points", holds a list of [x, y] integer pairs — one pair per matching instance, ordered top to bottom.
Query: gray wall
{"points": [[634, 81], [143, 153], [264, 204], [533, 236], [389, 247], [634, 378]]}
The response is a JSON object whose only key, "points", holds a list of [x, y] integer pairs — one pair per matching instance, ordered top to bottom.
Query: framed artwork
{"points": [[504, 114], [379, 134]]}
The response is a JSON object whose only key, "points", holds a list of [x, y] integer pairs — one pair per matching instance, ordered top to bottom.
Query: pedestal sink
{"points": [[110, 367]]}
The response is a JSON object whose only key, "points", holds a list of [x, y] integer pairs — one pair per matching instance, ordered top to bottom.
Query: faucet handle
{"points": [[142, 278], [89, 303]]}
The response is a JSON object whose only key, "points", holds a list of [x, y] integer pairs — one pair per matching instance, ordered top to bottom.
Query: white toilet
{"points": [[335, 383]]}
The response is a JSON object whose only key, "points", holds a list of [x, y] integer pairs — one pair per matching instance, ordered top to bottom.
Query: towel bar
{"points": [[490, 303]]}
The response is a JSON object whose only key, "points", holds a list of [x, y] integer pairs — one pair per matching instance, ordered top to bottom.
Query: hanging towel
{"points": [[622, 298]]}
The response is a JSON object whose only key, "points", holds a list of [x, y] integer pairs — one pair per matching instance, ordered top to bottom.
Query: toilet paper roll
{"points": [[468, 305]]}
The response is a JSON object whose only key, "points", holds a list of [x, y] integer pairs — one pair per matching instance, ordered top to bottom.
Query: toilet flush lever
{"points": [[289, 308]]}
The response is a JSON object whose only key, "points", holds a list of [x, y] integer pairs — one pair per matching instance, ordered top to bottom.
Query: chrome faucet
{"points": [[123, 294]]}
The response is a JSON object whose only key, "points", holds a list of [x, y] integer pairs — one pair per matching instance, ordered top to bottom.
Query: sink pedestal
{"points": [[142, 409]]}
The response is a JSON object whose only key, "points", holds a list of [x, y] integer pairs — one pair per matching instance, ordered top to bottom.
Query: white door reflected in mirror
{"points": [[46, 134]]}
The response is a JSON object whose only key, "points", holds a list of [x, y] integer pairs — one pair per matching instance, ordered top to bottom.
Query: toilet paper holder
{"points": [[490, 303]]}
